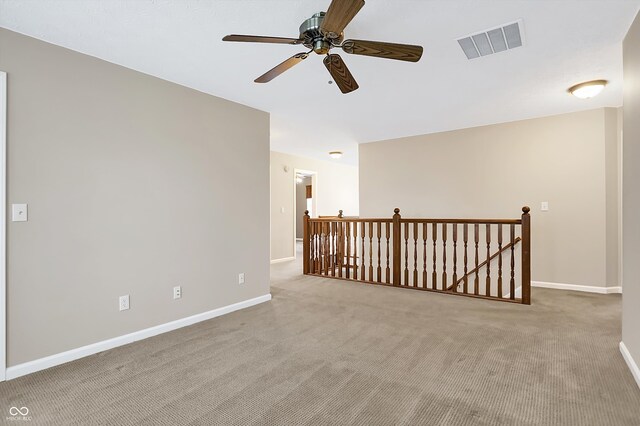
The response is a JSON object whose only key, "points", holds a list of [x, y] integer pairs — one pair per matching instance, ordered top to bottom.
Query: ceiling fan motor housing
{"points": [[313, 36]]}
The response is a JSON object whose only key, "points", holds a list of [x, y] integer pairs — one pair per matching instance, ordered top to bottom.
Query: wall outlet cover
{"points": [[19, 213], [177, 292], [124, 302]]}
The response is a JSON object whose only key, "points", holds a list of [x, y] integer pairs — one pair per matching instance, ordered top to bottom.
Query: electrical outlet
{"points": [[19, 213], [241, 278], [177, 292], [124, 302]]}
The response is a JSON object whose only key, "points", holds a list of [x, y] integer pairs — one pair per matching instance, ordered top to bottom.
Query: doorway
{"points": [[304, 198]]}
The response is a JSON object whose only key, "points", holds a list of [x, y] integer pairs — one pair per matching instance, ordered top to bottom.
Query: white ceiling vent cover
{"points": [[499, 39]]}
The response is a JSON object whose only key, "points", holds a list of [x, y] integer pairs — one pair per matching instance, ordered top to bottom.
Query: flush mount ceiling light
{"points": [[588, 89], [335, 154]]}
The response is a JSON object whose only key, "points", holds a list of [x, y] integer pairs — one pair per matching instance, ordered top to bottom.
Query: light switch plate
{"points": [[544, 206], [19, 212], [241, 278]]}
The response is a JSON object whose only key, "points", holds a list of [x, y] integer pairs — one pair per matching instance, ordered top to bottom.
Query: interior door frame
{"points": [[314, 200], [3, 226]]}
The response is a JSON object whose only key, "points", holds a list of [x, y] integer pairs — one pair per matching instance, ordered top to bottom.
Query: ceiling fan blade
{"points": [[338, 16], [262, 39], [401, 52], [279, 69], [340, 73]]}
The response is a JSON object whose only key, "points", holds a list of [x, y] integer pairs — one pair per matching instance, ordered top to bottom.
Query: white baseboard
{"points": [[284, 259], [575, 287], [517, 296], [73, 354], [635, 370]]}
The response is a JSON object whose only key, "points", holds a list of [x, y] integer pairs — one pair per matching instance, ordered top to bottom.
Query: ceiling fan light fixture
{"points": [[588, 89], [335, 154]]}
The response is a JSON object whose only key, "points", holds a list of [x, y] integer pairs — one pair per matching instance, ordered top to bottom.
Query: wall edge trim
{"points": [[284, 259], [576, 287], [635, 370]]}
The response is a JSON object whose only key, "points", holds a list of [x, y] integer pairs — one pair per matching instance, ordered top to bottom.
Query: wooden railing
{"points": [[455, 256]]}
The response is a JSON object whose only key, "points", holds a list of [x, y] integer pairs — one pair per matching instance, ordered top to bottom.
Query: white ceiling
{"points": [[565, 42]]}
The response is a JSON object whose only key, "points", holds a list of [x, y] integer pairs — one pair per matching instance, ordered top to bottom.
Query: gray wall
{"points": [[493, 171], [134, 185], [631, 193]]}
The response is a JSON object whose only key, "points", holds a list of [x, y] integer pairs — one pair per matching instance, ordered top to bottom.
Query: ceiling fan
{"points": [[323, 32]]}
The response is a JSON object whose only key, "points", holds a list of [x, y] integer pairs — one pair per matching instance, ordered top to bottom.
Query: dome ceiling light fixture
{"points": [[588, 89], [335, 154]]}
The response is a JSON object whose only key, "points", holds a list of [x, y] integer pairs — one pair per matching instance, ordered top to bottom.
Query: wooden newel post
{"points": [[340, 214], [306, 242], [397, 251], [526, 256]]}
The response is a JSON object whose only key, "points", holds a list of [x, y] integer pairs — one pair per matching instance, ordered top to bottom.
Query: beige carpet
{"points": [[333, 352]]}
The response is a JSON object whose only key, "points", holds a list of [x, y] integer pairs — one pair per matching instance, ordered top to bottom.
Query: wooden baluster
{"points": [[362, 228], [348, 237], [434, 237], [465, 238], [326, 242], [312, 243], [396, 246], [340, 247], [320, 248], [325, 248], [307, 250], [333, 250], [355, 250], [371, 251], [406, 253], [415, 254], [424, 255], [444, 256], [526, 256], [330, 257], [455, 257], [500, 261], [379, 270], [388, 270], [476, 280], [512, 282], [487, 291]]}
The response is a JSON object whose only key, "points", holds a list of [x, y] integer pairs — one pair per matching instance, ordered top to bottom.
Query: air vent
{"points": [[505, 37]]}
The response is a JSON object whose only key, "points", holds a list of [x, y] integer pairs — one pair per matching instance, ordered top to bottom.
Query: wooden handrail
{"points": [[417, 220], [471, 221], [441, 252], [480, 266]]}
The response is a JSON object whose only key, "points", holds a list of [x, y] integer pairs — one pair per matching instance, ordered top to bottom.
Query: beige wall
{"points": [[493, 171], [134, 185], [336, 189], [631, 193]]}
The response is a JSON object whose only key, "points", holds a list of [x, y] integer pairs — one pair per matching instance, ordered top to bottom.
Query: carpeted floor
{"points": [[334, 352]]}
